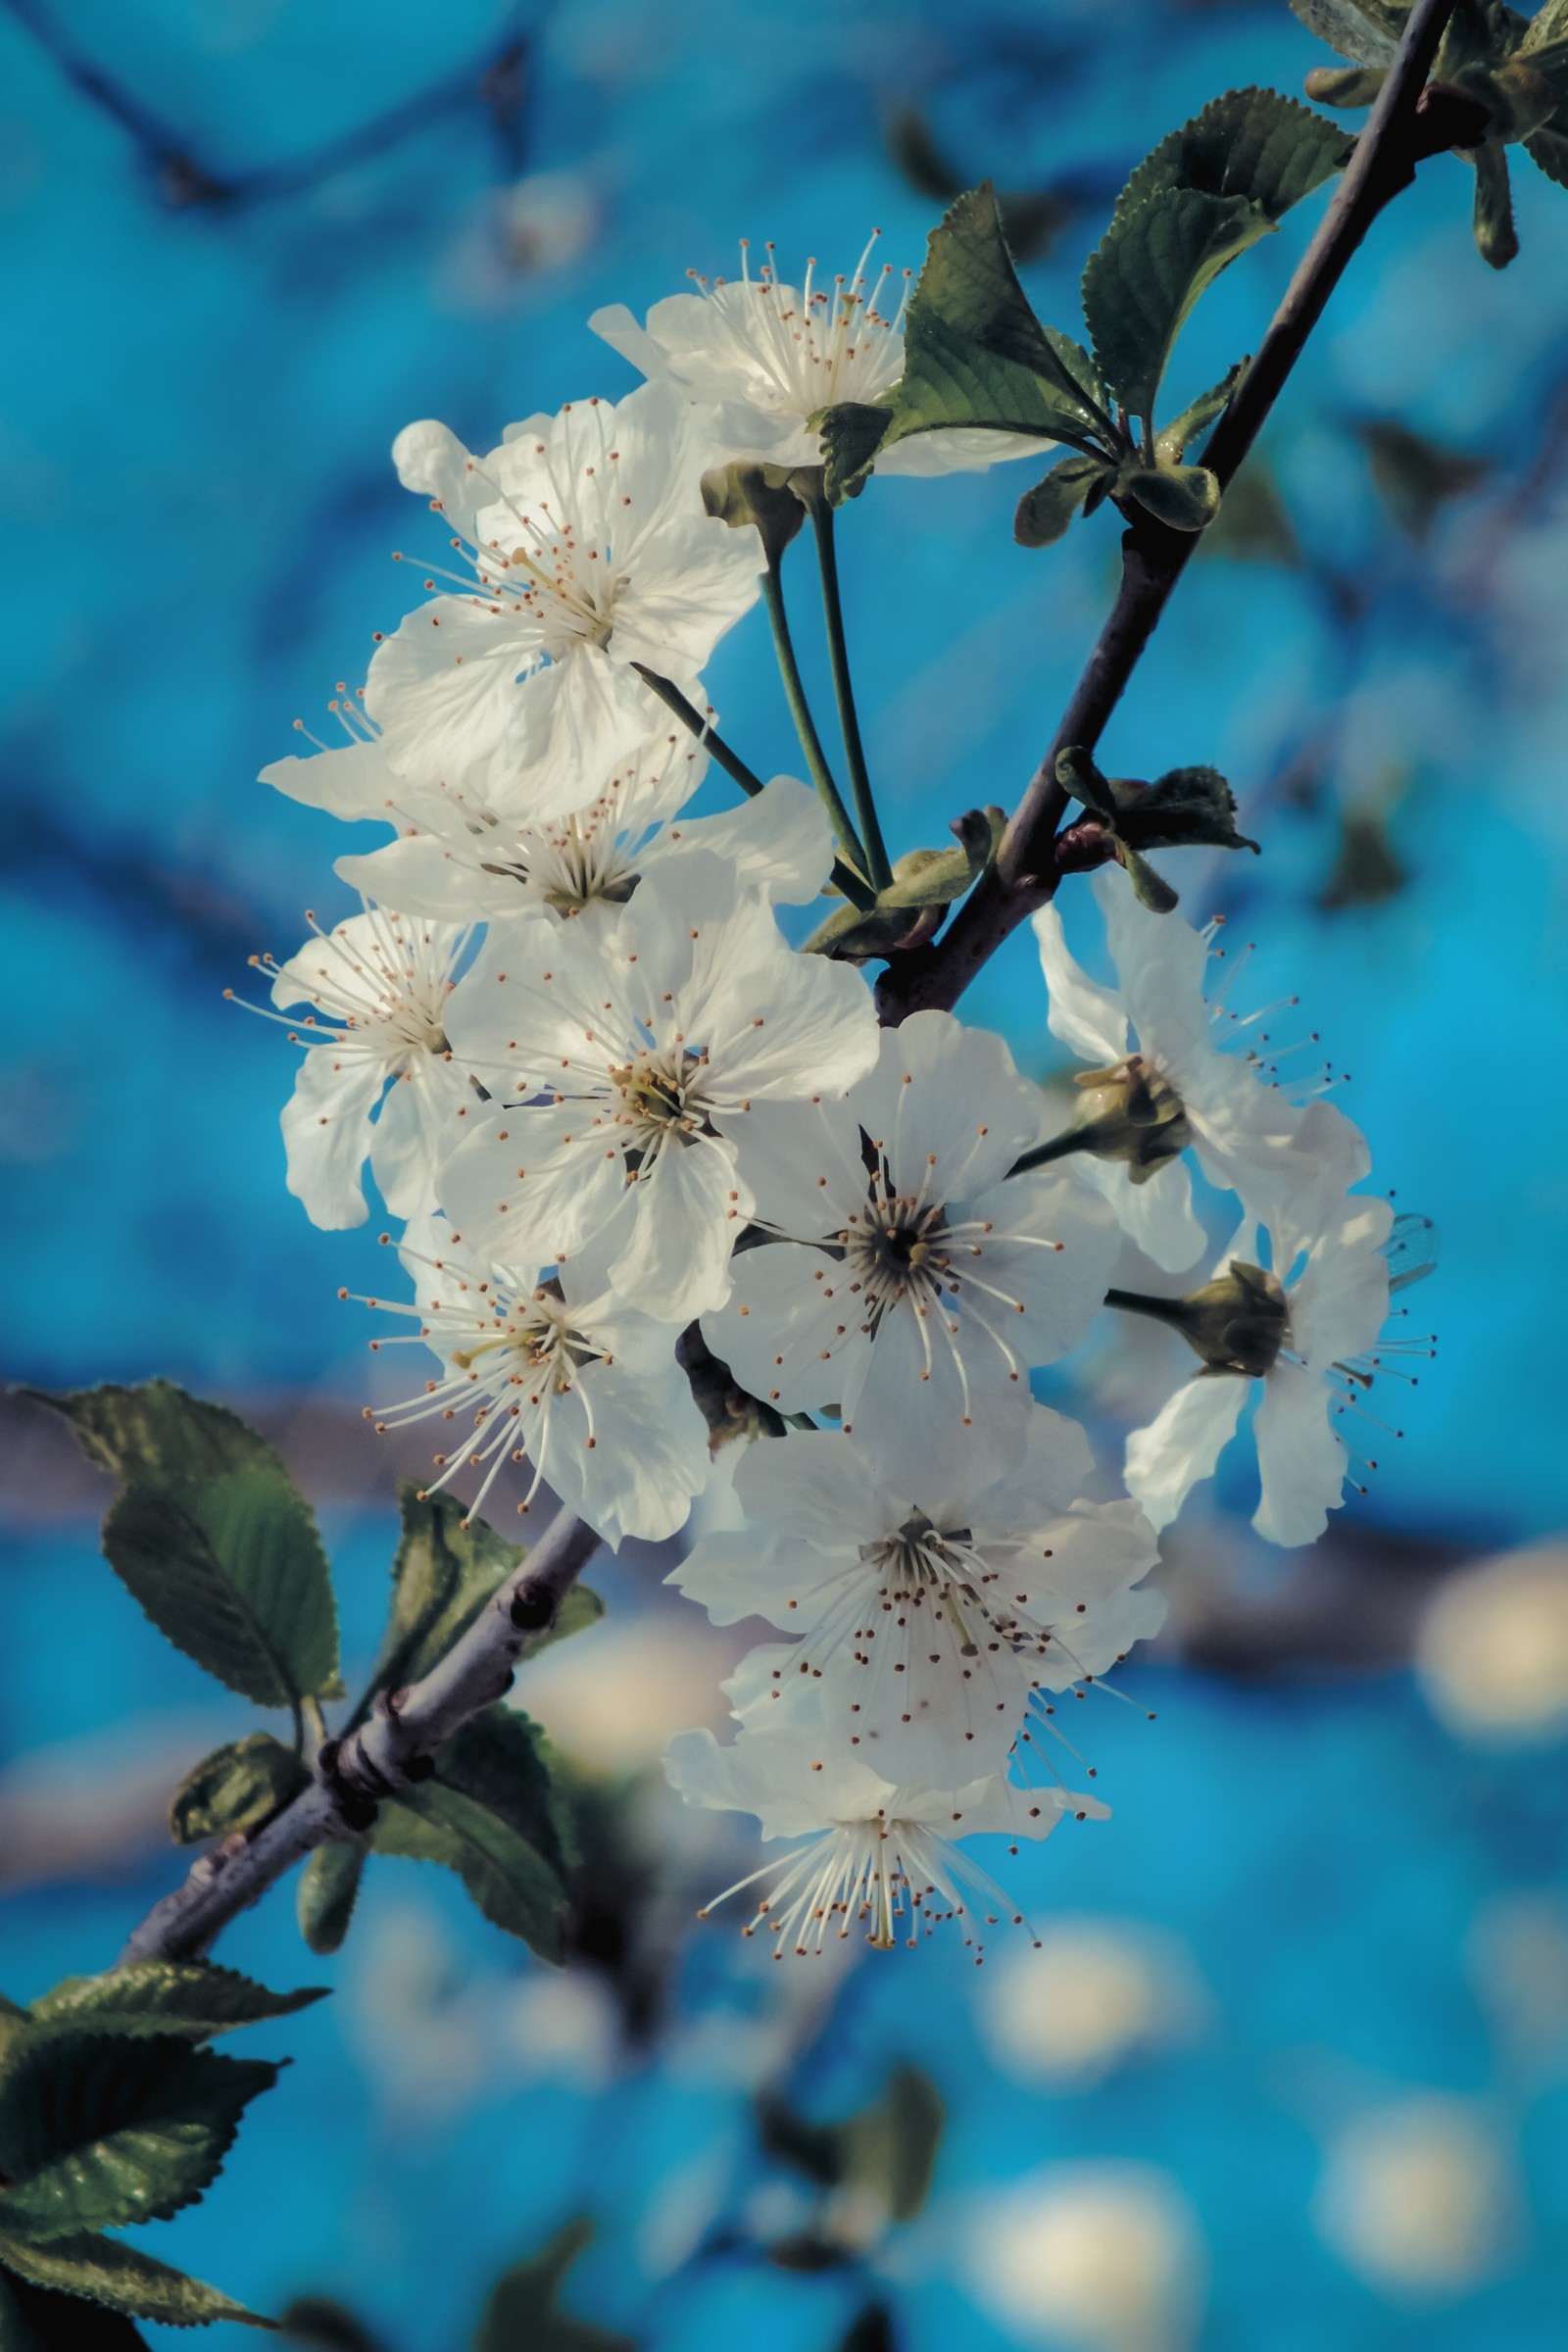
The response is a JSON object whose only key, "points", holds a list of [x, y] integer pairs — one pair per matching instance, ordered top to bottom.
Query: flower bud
{"points": [[1133, 1113]]}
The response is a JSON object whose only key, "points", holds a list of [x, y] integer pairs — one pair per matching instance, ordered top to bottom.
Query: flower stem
{"points": [[805, 725], [866, 811], [847, 880], [1071, 1139], [1161, 1310]]}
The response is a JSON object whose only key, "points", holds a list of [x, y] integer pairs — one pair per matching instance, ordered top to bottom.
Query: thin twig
{"points": [[1409, 122], [392, 1749]]}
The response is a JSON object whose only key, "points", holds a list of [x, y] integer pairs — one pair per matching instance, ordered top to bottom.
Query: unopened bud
{"points": [[1344, 85], [1132, 1113], [1237, 1323]]}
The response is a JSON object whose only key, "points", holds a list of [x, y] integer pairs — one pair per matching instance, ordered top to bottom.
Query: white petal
{"points": [[445, 689], [351, 781], [780, 844], [1091, 1019], [327, 1130], [688, 1210], [1157, 1215], [788, 1337], [1183, 1444], [649, 1456], [1300, 1459]]}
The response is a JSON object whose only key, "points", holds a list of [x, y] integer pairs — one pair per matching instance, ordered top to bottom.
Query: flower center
{"points": [[658, 1097], [898, 1251]]}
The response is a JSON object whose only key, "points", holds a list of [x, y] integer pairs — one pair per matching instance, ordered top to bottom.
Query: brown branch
{"points": [[1409, 122], [396, 1746]]}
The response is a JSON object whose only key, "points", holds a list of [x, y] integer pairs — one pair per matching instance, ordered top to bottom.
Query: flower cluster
{"points": [[627, 1127]]}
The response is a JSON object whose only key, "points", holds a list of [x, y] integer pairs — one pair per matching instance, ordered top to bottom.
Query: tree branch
{"points": [[1409, 122], [397, 1745]]}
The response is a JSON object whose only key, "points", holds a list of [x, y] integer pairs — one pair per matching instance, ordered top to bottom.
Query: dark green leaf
{"points": [[1367, 32], [1253, 143], [1497, 238], [1148, 271], [1199, 415], [852, 434], [1416, 477], [1184, 497], [1044, 513], [1183, 809], [159, 1432], [232, 1570], [441, 1574], [504, 1762], [235, 1787], [490, 1815], [328, 1885], [189, 1997], [97, 2130], [891, 2146], [106, 2271], [523, 2313], [33, 2318], [314, 2320]]}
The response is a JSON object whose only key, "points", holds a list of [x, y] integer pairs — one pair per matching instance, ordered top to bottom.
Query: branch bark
{"points": [[1409, 122], [395, 1747]]}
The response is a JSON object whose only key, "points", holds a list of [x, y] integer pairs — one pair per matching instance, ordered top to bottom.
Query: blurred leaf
{"points": [[1367, 32], [1253, 143], [1030, 217], [1145, 274], [1197, 417], [1416, 477], [1185, 498], [1044, 513], [1253, 524], [1365, 870], [158, 1430], [230, 1569], [235, 1787], [328, 1885], [190, 1998], [97, 2130], [891, 2146], [814, 2149], [808, 2252], [106, 2271], [523, 2313], [32, 2319], [313, 2319], [870, 2330]]}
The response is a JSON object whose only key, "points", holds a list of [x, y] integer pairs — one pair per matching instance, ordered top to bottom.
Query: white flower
{"points": [[764, 357], [591, 550], [378, 986], [649, 1041], [1163, 1080], [913, 1274], [1309, 1338], [561, 1373], [933, 1588], [873, 1851]]}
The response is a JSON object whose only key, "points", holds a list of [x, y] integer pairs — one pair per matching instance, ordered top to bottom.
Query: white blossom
{"points": [[763, 359], [589, 549], [378, 986], [628, 1060], [1174, 1069], [913, 1275], [1308, 1339], [560, 1375], [933, 1587], [871, 1852]]}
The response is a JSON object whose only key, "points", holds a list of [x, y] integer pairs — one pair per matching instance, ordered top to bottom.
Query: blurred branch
{"points": [[1409, 122], [182, 175], [395, 1747]]}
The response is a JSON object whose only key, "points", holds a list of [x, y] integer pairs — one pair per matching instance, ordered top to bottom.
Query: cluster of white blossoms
{"points": [[629, 1130]]}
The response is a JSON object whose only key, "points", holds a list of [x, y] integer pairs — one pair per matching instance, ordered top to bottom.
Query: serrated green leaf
{"points": [[1548, 24], [1367, 32], [1253, 143], [1145, 274], [1198, 416], [852, 432], [1185, 498], [1044, 513], [1184, 809], [158, 1430], [230, 1569], [443, 1574], [502, 1760], [235, 1787], [489, 1814], [328, 1885], [189, 1997], [97, 2129], [891, 2146], [122, 2278], [524, 2306], [34, 2319]]}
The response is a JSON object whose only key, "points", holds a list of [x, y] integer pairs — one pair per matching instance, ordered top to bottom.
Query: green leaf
{"points": [[1548, 24], [1367, 32], [1253, 143], [1548, 150], [1497, 238], [1148, 271], [1198, 416], [851, 434], [1184, 497], [1044, 513], [1077, 775], [1183, 809], [925, 883], [1151, 890], [158, 1430], [232, 1570], [443, 1574], [235, 1787], [490, 1814], [328, 1885], [187, 1997], [97, 2130], [891, 2146], [124, 2278], [523, 2313], [34, 2319], [328, 2326]]}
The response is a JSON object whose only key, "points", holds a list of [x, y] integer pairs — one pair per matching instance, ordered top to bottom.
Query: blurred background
{"points": [[1291, 2067]]}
